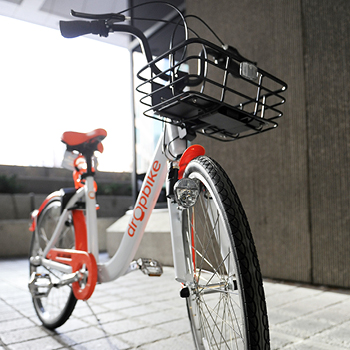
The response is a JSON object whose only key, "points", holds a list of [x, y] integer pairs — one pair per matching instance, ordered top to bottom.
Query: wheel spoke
{"points": [[209, 231], [43, 235], [215, 274], [224, 295], [214, 315]]}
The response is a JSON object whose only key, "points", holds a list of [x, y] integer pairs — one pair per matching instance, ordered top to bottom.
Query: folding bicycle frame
{"points": [[86, 253]]}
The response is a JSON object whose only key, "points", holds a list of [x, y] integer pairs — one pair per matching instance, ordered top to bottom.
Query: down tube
{"points": [[146, 201]]}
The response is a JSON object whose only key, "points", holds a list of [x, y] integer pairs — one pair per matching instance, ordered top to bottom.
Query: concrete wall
{"points": [[45, 180], [294, 181], [37, 182], [19, 206], [15, 209], [15, 236], [156, 242]]}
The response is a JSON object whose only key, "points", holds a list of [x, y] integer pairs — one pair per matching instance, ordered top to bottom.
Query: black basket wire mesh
{"points": [[212, 91]]}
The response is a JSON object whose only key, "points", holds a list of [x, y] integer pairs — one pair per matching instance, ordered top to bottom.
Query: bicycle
{"points": [[205, 89]]}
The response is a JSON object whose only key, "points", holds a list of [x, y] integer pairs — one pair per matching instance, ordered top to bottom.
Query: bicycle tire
{"points": [[226, 303], [54, 309]]}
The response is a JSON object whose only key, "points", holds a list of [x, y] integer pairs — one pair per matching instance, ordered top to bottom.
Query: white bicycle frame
{"points": [[155, 177]]}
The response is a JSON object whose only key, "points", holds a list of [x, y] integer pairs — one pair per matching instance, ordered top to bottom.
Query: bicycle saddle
{"points": [[81, 142]]}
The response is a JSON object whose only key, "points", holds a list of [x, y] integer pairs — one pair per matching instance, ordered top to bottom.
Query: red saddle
{"points": [[77, 141]]}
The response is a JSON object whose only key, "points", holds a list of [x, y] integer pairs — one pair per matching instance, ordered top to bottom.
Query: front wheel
{"points": [[226, 303]]}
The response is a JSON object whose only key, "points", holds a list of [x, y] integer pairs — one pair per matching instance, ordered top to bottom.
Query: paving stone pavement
{"points": [[139, 312]]}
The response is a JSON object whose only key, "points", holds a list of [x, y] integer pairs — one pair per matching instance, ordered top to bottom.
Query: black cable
{"points": [[162, 3], [183, 20], [179, 24], [207, 25], [188, 29], [164, 148]]}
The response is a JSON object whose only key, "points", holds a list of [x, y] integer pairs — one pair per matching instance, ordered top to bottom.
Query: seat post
{"points": [[88, 154], [91, 216]]}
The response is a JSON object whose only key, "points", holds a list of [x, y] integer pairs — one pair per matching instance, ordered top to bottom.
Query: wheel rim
{"points": [[215, 306]]}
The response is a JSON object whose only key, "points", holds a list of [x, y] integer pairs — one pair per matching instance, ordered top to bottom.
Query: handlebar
{"points": [[103, 24], [73, 29]]}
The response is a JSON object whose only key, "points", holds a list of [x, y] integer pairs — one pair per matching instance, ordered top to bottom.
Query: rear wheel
{"points": [[226, 303], [54, 308]]}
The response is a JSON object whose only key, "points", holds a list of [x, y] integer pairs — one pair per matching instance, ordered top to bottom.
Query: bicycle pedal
{"points": [[150, 267], [39, 285]]}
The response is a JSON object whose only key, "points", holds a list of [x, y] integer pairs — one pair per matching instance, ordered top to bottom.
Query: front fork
{"points": [[182, 264]]}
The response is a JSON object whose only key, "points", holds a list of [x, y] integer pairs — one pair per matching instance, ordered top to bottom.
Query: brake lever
{"points": [[116, 17]]}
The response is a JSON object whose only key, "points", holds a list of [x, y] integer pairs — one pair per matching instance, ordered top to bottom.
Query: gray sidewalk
{"points": [[147, 313]]}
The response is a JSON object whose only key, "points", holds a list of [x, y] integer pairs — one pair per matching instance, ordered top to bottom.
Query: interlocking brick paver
{"points": [[121, 304], [138, 312], [337, 313], [9, 314], [160, 317], [104, 318], [15, 324], [74, 324], [123, 326], [176, 327], [304, 327], [21, 335], [81, 335], [144, 335], [337, 336], [281, 340], [185, 342], [47, 343], [107, 343], [311, 345]]}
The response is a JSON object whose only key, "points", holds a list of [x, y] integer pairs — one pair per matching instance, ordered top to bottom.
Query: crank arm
{"points": [[50, 264], [71, 278]]}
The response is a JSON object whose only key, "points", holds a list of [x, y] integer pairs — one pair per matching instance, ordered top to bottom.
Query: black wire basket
{"points": [[211, 90]]}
